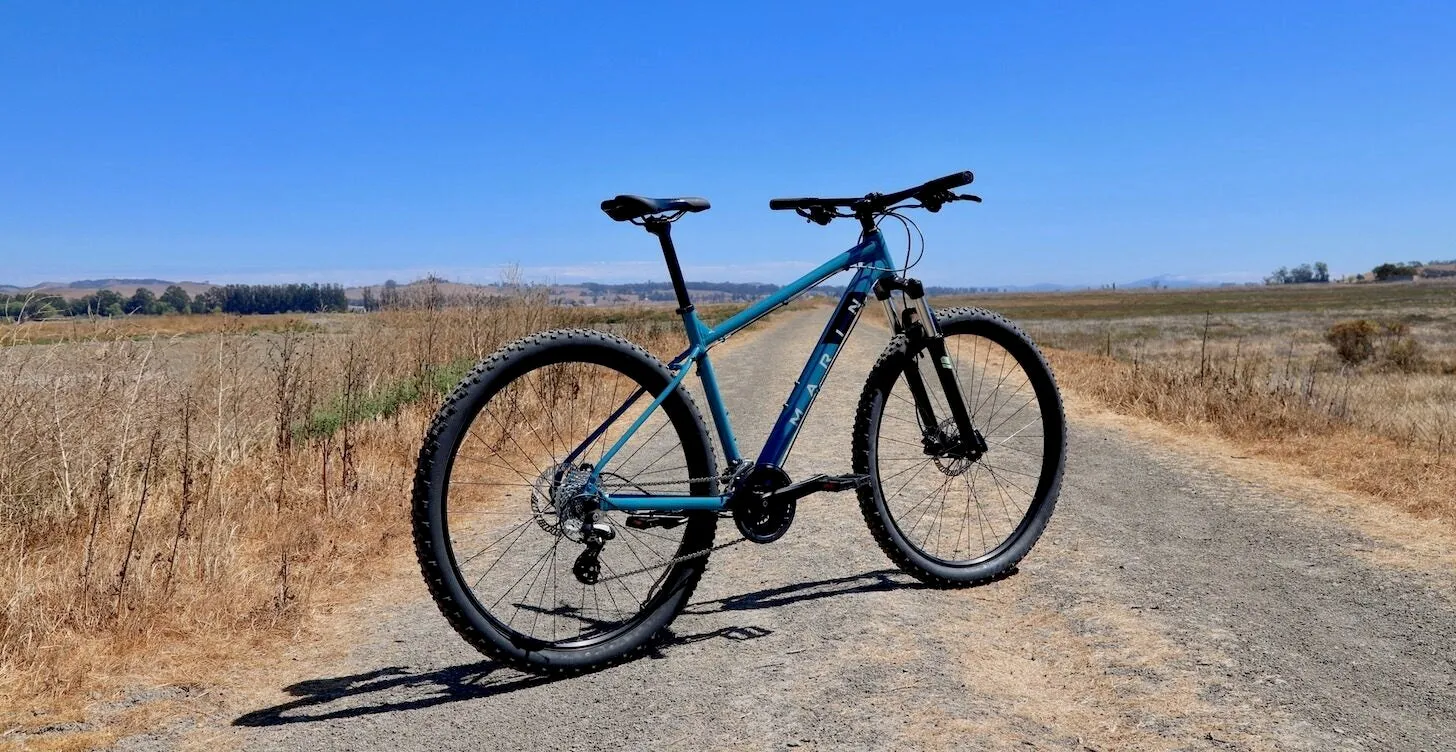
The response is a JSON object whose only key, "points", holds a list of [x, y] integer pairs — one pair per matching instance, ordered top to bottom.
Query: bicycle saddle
{"points": [[623, 208]]}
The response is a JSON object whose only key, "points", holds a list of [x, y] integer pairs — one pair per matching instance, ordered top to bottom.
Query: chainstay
{"points": [[675, 482], [676, 560]]}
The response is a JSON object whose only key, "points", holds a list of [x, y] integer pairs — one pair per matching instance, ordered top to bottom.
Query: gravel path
{"points": [[1170, 606]]}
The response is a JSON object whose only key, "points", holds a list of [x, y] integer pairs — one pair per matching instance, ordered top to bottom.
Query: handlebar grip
{"points": [[948, 182], [778, 204]]}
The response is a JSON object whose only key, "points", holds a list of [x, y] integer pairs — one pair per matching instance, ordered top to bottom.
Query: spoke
{"points": [[548, 407], [1014, 414], [1029, 424], [510, 436], [644, 443], [915, 444], [1026, 452], [921, 463], [648, 466], [502, 467], [1007, 469], [971, 487], [944, 489], [1001, 491], [928, 496], [982, 512], [508, 533], [498, 558], [531, 569], [527, 595]]}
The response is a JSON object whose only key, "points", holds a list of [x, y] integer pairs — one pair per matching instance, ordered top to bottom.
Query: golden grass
{"points": [[1113, 304], [83, 328], [1252, 364], [1289, 422], [166, 507]]}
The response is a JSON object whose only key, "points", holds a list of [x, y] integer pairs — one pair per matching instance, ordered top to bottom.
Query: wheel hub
{"points": [[951, 455], [560, 502]]}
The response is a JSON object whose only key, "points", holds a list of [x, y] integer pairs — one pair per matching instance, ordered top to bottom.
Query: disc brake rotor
{"points": [[557, 501]]}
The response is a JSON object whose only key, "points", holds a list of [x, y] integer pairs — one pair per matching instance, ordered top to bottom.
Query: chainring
{"points": [[759, 518]]}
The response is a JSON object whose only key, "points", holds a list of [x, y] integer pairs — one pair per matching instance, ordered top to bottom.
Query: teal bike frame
{"points": [[872, 260]]}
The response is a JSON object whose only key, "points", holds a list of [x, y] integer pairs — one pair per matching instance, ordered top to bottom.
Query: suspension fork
{"points": [[917, 322]]}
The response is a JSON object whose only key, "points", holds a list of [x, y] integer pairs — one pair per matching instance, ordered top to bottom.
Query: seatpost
{"points": [[663, 230]]}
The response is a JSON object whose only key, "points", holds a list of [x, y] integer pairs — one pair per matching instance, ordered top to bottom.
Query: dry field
{"points": [[1255, 365], [179, 492]]}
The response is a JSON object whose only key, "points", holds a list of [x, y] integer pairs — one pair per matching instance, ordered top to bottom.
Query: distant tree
{"points": [[1388, 270], [1302, 274], [390, 296], [176, 298], [259, 299], [142, 301], [208, 301], [107, 303], [370, 304]]}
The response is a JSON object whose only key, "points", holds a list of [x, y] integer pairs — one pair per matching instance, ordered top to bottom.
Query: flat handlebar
{"points": [[877, 201]]}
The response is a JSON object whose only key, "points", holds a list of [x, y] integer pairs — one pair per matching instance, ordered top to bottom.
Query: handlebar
{"points": [[927, 192]]}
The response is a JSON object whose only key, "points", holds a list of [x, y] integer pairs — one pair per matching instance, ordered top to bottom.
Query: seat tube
{"points": [[709, 379]]}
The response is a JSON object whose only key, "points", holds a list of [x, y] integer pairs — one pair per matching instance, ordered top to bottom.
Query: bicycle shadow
{"points": [[396, 688]]}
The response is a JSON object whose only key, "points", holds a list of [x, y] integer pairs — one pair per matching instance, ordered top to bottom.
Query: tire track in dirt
{"points": [[1170, 606]]}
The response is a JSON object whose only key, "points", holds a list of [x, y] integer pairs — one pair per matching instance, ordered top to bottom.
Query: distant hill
{"points": [[1184, 281], [98, 284], [83, 287], [586, 293]]}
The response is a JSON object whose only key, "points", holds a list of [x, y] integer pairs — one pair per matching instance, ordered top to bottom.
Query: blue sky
{"points": [[356, 141]]}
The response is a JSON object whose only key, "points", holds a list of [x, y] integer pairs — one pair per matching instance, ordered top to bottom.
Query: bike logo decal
{"points": [[844, 318]]}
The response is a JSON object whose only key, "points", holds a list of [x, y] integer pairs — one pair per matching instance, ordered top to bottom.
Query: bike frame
{"points": [[871, 258]]}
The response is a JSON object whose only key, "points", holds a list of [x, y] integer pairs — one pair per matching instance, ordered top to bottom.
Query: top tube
{"points": [[871, 251]]}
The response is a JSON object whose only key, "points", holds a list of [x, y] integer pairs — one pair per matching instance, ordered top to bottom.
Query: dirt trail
{"points": [[1170, 606]]}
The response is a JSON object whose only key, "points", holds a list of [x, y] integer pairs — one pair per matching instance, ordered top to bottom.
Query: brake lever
{"points": [[968, 197]]}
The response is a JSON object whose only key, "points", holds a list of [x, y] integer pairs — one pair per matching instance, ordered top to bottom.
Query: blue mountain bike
{"points": [[569, 492]]}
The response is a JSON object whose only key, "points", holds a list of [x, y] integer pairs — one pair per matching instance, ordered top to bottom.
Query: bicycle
{"points": [[540, 444]]}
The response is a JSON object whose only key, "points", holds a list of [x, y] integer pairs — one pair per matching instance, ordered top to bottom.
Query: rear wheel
{"points": [[947, 518], [505, 527]]}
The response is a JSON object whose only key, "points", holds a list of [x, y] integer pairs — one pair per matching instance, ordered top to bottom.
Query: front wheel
{"points": [[945, 515]]}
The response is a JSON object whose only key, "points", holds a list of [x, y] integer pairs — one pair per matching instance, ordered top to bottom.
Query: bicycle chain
{"points": [[684, 557], [674, 561]]}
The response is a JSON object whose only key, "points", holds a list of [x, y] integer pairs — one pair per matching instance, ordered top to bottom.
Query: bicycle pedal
{"points": [[843, 482], [817, 483]]}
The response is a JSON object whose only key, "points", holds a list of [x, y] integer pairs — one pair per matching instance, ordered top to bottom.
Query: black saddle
{"points": [[623, 208]]}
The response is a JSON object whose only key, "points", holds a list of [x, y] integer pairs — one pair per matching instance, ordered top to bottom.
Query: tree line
{"points": [[1302, 274], [238, 299]]}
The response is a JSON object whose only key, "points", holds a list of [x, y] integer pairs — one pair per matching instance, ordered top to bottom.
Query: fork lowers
{"points": [[920, 327]]}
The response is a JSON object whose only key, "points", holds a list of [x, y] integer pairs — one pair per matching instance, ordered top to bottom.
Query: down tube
{"points": [[811, 379]]}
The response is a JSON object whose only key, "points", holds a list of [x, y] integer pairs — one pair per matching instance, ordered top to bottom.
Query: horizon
{"points": [[274, 142], [510, 274]]}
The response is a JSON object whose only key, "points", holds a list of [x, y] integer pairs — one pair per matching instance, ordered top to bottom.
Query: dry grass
{"points": [[1116, 304], [84, 329], [1262, 373], [1285, 424], [172, 502]]}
